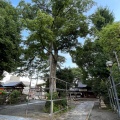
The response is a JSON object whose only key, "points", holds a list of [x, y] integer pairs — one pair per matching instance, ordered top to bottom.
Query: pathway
{"points": [[81, 111], [103, 114], [6, 117]]}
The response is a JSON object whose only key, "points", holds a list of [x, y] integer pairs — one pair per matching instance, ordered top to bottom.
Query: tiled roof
{"points": [[13, 84], [81, 85]]}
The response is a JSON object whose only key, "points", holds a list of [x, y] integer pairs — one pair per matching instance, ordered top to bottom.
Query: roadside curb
{"points": [[88, 116]]}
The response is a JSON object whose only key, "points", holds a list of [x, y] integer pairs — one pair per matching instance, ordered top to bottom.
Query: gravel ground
{"points": [[102, 114]]}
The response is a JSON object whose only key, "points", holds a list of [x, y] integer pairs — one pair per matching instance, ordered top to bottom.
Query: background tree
{"points": [[102, 17], [54, 26], [110, 38], [10, 50], [91, 57], [66, 75], [78, 76], [116, 76]]}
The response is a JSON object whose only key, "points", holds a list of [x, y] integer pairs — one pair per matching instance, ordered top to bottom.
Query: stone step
{"points": [[102, 104]]}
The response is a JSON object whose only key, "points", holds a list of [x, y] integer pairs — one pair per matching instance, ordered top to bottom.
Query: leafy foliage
{"points": [[101, 18], [54, 26], [9, 37], [110, 38], [91, 57], [91, 60], [115, 71], [77, 73], [65, 75], [2, 92], [14, 95], [2, 97], [57, 105]]}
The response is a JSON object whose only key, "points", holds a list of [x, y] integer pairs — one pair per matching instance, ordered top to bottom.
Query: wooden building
{"points": [[10, 86], [82, 91]]}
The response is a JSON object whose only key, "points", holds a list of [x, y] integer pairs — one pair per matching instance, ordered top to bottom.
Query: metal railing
{"points": [[113, 87], [113, 95]]}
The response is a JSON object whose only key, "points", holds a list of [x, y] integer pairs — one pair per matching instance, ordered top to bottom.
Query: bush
{"points": [[2, 92], [2, 97], [14, 97], [57, 105]]}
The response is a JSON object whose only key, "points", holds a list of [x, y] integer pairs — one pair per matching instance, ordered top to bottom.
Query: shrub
{"points": [[2, 92], [14, 96], [2, 97], [57, 105]]}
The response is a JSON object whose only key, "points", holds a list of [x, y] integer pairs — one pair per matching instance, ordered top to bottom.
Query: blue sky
{"points": [[113, 5]]}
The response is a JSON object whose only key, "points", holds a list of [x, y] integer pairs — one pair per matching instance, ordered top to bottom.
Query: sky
{"points": [[113, 5]]}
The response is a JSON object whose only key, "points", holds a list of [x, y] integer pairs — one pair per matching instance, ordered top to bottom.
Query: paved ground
{"points": [[81, 111], [35, 112], [103, 114], [6, 117]]}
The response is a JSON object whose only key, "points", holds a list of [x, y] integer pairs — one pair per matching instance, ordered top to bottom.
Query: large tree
{"points": [[54, 26], [9, 37], [110, 38], [91, 57], [91, 60]]}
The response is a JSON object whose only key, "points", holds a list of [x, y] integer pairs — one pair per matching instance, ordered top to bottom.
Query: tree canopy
{"points": [[102, 17], [59, 22], [54, 26], [9, 37], [110, 38], [91, 57], [66, 75]]}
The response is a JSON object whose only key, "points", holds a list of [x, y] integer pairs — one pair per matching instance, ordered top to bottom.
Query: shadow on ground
{"points": [[103, 114]]}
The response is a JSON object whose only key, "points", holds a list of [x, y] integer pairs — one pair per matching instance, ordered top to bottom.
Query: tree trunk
{"points": [[53, 67]]}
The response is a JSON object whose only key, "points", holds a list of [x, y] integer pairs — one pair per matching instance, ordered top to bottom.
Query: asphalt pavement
{"points": [[80, 112]]}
